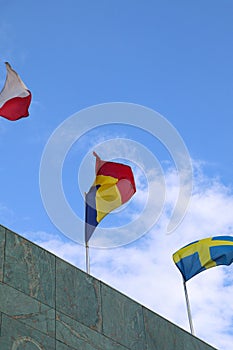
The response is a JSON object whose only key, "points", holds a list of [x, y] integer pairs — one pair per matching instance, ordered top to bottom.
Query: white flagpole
{"points": [[87, 259], [188, 308]]}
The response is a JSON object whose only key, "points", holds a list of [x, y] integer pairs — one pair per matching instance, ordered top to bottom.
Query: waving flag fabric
{"points": [[15, 98], [114, 185], [204, 254]]}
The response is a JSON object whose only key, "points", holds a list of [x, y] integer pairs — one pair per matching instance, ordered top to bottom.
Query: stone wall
{"points": [[48, 304]]}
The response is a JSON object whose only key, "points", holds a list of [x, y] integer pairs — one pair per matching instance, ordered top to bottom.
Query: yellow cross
{"points": [[201, 247]]}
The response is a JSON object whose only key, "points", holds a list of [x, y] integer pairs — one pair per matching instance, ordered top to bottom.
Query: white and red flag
{"points": [[15, 98]]}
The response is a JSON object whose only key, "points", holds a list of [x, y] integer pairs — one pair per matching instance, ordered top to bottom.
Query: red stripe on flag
{"points": [[16, 107], [117, 170], [126, 190]]}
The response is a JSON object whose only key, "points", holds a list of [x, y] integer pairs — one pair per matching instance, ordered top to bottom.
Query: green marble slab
{"points": [[2, 249], [29, 269], [78, 295], [25, 309], [122, 319], [164, 335], [17, 336], [78, 336], [62, 346]]}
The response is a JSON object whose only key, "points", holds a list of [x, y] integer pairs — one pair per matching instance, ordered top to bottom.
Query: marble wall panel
{"points": [[29, 269], [78, 295], [25, 309], [122, 319], [164, 335], [17, 336], [78, 336], [62, 346]]}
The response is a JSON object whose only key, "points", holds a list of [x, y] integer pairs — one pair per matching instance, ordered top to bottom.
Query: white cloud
{"points": [[145, 270]]}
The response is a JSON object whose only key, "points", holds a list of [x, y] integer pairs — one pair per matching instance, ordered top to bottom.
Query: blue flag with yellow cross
{"points": [[204, 254]]}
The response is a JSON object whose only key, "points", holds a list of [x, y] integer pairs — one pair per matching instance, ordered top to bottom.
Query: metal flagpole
{"points": [[87, 246], [87, 259], [188, 308]]}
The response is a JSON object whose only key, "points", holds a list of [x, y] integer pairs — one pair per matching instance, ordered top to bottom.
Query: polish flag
{"points": [[15, 98]]}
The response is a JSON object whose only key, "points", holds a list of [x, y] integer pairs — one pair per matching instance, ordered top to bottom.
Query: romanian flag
{"points": [[15, 98], [114, 185], [204, 254]]}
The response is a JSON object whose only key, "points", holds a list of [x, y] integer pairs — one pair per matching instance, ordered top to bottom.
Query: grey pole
{"points": [[87, 259], [188, 308]]}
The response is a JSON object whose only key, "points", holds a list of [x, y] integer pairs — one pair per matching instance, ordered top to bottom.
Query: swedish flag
{"points": [[204, 254]]}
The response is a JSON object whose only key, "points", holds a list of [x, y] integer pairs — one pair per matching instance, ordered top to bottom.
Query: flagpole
{"points": [[87, 246], [87, 259], [188, 308]]}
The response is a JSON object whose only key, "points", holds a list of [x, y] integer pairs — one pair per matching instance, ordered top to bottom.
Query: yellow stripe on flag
{"points": [[108, 196]]}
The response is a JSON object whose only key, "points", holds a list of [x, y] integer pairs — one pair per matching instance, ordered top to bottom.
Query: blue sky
{"points": [[174, 57]]}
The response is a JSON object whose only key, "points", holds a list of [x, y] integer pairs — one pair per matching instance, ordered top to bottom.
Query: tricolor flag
{"points": [[15, 97], [114, 185], [204, 254]]}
